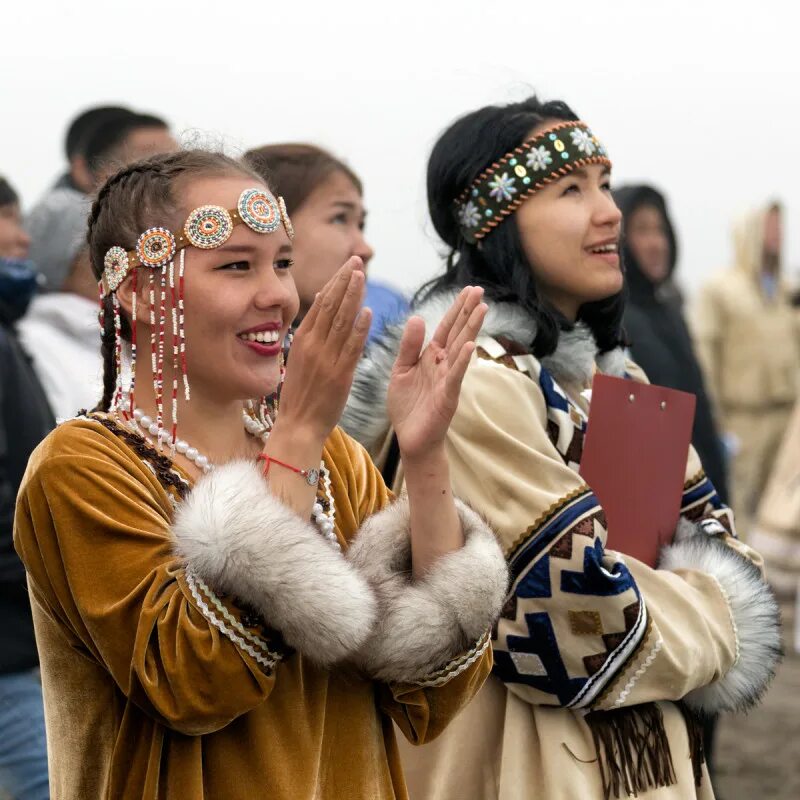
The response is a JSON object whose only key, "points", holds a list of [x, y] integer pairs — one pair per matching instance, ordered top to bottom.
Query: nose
{"points": [[606, 213], [363, 249], [271, 291]]}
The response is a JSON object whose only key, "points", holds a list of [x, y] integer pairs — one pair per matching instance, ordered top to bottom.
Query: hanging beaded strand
{"points": [[162, 324], [182, 329], [153, 331], [117, 353], [175, 354], [132, 386]]}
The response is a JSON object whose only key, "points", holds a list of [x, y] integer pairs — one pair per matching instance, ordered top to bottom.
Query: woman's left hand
{"points": [[425, 384]]}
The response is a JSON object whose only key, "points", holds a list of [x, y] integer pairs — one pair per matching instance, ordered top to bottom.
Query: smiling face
{"points": [[329, 229], [570, 233], [240, 299]]}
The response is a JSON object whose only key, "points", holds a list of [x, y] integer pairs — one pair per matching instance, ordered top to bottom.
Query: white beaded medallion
{"points": [[259, 211], [287, 223], [208, 227], [155, 247], [116, 267]]}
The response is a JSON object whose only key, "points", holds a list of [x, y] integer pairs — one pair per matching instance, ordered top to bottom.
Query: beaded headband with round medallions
{"points": [[502, 188], [206, 227]]}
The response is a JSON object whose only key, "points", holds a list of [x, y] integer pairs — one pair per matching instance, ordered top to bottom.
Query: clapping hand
{"points": [[426, 383]]}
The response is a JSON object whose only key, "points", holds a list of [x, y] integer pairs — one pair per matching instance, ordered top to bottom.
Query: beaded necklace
{"points": [[323, 511]]}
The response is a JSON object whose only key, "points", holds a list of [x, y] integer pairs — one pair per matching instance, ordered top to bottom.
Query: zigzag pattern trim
{"points": [[263, 655], [651, 657], [457, 666]]}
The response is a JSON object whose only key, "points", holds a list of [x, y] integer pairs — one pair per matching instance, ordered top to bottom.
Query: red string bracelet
{"points": [[311, 475]]}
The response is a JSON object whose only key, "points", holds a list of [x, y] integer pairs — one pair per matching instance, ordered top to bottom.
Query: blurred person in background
{"points": [[121, 141], [103, 142], [77, 176], [325, 200], [50, 219], [60, 328], [659, 337], [748, 342], [25, 419], [776, 532]]}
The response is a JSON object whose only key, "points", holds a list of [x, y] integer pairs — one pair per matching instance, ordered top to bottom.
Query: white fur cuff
{"points": [[240, 539], [754, 616], [423, 625]]}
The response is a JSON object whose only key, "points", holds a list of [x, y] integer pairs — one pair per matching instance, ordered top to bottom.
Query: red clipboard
{"points": [[634, 459]]}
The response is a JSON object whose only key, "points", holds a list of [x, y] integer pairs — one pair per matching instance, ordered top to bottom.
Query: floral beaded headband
{"points": [[502, 188], [206, 227]]}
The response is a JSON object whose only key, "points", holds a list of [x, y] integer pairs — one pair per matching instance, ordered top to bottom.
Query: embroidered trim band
{"points": [[502, 188], [260, 652], [457, 665]]}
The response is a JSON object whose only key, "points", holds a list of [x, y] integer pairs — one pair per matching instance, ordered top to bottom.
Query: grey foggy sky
{"points": [[699, 98]]}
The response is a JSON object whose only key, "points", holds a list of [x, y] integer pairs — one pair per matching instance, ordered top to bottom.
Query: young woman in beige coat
{"points": [[602, 663]]}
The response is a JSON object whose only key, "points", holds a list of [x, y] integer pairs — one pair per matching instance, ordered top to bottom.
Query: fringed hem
{"points": [[633, 752]]}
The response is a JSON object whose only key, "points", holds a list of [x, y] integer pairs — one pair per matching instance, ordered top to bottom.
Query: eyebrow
{"points": [[582, 173], [349, 206], [235, 248], [248, 248]]}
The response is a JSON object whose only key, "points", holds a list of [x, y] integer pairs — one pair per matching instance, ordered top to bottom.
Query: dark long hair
{"points": [[499, 263]]}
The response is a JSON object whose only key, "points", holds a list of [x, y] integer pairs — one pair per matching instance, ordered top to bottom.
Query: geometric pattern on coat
{"points": [[566, 422], [700, 501], [569, 660]]}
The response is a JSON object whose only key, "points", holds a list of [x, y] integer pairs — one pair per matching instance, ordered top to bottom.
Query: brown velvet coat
{"points": [[145, 697]]}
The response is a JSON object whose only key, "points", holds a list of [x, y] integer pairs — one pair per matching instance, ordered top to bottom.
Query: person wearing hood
{"points": [[60, 328], [658, 335], [748, 341], [25, 419], [776, 532], [602, 662]]}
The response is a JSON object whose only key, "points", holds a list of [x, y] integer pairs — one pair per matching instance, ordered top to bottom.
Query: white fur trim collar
{"points": [[572, 362]]}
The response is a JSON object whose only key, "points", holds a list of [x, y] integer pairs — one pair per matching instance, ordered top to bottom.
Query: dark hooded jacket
{"points": [[659, 336], [25, 419]]}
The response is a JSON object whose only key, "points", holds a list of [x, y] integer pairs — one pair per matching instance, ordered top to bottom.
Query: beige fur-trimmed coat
{"points": [[590, 642]]}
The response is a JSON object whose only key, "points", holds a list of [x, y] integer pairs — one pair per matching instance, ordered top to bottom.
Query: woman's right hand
{"points": [[325, 352]]}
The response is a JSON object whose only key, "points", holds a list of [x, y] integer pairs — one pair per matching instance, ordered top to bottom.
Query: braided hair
{"points": [[142, 195]]}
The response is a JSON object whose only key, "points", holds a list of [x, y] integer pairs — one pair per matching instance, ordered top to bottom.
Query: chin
{"points": [[250, 386]]}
